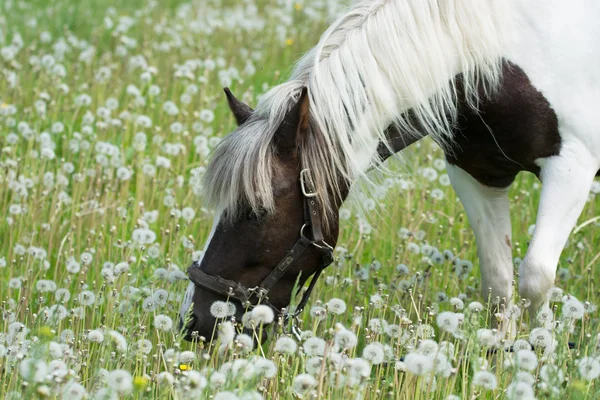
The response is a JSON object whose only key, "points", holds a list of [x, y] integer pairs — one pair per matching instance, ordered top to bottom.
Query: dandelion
{"points": [[86, 298], [336, 306], [220, 309], [573, 309], [263, 314], [447, 321], [226, 332], [95, 336], [540, 337], [118, 340], [244, 342], [521, 344], [285, 345], [144, 346], [314, 346], [373, 352], [187, 357], [526, 359], [418, 364], [265, 368], [589, 368], [33, 370], [485, 379], [120, 380], [303, 383], [519, 390], [74, 391], [226, 395]]}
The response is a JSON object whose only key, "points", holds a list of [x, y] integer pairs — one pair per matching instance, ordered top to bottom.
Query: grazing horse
{"points": [[502, 85]]}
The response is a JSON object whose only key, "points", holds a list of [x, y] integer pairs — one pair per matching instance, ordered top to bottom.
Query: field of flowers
{"points": [[108, 111]]}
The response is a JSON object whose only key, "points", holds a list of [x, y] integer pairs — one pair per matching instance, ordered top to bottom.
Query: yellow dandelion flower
{"points": [[298, 6], [289, 42], [184, 367], [140, 382]]}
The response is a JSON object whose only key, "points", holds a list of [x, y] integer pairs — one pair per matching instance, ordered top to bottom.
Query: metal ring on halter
{"points": [[303, 185], [302, 231], [323, 246]]}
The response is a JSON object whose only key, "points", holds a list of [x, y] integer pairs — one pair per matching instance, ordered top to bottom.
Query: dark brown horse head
{"points": [[246, 245]]}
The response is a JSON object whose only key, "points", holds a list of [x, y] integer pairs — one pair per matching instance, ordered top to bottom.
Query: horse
{"points": [[501, 85]]}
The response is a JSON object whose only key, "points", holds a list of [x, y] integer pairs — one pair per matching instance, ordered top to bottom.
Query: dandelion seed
{"points": [[86, 298], [336, 306], [219, 309], [573, 309], [263, 314], [447, 321], [226, 332], [95, 336], [487, 337], [540, 337], [244, 342], [521, 344], [285, 345], [314, 346], [373, 352], [526, 359], [418, 364], [265, 368], [589, 368], [33, 370], [485, 379], [120, 380], [303, 383], [73, 391], [519, 391]]}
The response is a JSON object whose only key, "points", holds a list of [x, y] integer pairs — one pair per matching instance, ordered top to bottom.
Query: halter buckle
{"points": [[306, 193]]}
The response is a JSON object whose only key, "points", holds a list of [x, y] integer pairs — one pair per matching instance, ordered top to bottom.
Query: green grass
{"points": [[73, 204]]}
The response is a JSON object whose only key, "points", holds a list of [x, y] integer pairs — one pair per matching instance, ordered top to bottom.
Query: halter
{"points": [[232, 289]]}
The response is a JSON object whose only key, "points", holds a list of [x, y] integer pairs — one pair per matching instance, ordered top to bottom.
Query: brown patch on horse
{"points": [[511, 130]]}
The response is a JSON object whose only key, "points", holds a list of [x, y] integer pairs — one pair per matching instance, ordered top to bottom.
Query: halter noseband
{"points": [[232, 289]]}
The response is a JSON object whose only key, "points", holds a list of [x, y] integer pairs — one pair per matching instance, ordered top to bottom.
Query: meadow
{"points": [[108, 114]]}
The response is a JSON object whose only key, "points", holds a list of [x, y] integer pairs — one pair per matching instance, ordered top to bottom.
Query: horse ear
{"points": [[241, 111], [294, 124]]}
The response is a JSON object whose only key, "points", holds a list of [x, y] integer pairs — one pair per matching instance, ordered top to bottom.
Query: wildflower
{"points": [[413, 248], [86, 298], [457, 303], [336, 306], [220, 309], [573, 309], [263, 314], [447, 321], [226, 332], [95, 336], [487, 337], [540, 337], [345, 339], [119, 341], [244, 342], [521, 344], [285, 345], [144, 346], [314, 346], [428, 347], [373, 352], [187, 357], [526, 359], [418, 364], [265, 368], [358, 368], [589, 368], [33, 370], [552, 374], [165, 378], [485, 379], [120, 380], [303, 383], [519, 390], [73, 391], [226, 395]]}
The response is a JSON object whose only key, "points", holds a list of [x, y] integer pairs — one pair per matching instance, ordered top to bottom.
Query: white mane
{"points": [[376, 62]]}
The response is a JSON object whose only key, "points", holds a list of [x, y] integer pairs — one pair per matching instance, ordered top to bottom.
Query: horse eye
{"points": [[257, 215]]}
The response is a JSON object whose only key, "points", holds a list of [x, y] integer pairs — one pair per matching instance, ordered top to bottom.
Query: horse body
{"points": [[526, 102]]}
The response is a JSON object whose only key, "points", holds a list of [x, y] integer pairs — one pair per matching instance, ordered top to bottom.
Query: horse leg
{"points": [[566, 181], [488, 212]]}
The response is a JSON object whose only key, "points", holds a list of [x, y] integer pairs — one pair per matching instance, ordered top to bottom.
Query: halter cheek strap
{"points": [[312, 223]]}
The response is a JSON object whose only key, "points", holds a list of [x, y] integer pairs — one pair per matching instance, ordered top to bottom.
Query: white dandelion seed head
{"points": [[336, 306], [220, 309], [573, 309], [263, 314], [447, 321], [226, 332], [487, 337], [244, 342], [286, 345], [314, 346], [373, 352], [187, 357], [526, 359], [418, 364], [589, 368], [485, 379], [120, 380], [303, 384], [519, 391]]}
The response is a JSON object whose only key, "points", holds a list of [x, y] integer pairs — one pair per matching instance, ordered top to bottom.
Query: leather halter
{"points": [[312, 222]]}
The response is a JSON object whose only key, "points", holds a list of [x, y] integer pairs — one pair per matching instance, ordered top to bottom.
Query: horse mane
{"points": [[373, 64]]}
